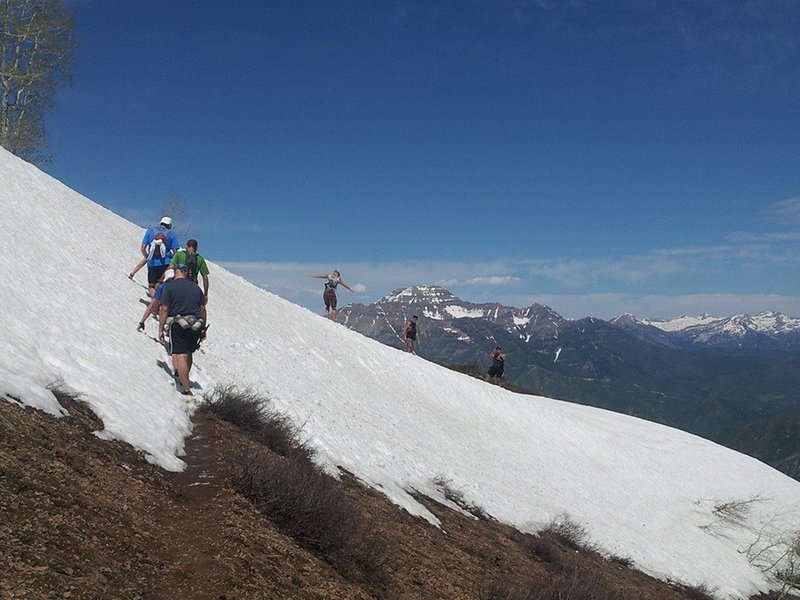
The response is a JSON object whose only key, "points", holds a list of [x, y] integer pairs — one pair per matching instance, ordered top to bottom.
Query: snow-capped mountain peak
{"points": [[421, 294], [766, 330]]}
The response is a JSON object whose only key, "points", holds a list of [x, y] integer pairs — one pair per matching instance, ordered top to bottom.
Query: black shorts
{"points": [[155, 273], [330, 299], [183, 341], [496, 371]]}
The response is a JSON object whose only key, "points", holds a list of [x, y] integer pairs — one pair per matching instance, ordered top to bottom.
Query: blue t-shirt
{"points": [[171, 242], [160, 290]]}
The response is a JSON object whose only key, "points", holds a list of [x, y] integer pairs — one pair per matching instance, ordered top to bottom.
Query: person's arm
{"points": [[146, 242], [172, 242], [318, 276], [345, 285], [205, 286]]}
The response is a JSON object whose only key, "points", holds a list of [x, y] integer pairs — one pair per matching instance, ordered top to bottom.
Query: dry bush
{"points": [[252, 413], [284, 483], [445, 486], [312, 508], [730, 513], [569, 532], [542, 547], [625, 562], [578, 585], [501, 590], [696, 592]]}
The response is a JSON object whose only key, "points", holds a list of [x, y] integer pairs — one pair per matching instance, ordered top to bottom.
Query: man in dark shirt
{"points": [[181, 304], [411, 333], [498, 359]]}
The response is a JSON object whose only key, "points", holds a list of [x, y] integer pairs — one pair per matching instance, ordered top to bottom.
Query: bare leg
{"points": [[151, 308], [183, 364]]}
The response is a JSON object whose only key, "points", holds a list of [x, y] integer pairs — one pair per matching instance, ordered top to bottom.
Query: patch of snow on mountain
{"points": [[461, 312], [771, 322], [681, 323], [460, 335]]}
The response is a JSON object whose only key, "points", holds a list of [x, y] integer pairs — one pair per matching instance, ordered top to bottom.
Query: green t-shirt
{"points": [[180, 259]]}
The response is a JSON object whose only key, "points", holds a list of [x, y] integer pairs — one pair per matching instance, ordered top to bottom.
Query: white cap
{"points": [[166, 221], [169, 275]]}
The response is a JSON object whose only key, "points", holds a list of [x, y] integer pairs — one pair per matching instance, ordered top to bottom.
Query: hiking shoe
{"points": [[141, 326]]}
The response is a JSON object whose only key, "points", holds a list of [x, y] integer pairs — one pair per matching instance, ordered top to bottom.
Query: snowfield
{"points": [[398, 422]]}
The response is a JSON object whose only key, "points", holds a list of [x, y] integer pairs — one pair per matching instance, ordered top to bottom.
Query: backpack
{"points": [[158, 247], [191, 264]]}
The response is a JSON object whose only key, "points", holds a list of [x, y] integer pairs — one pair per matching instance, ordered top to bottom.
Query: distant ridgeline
{"points": [[733, 380]]}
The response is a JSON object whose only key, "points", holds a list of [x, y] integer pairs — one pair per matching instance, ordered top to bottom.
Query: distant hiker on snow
{"points": [[158, 245], [196, 265], [329, 295], [152, 307], [180, 310], [411, 334], [498, 359]]}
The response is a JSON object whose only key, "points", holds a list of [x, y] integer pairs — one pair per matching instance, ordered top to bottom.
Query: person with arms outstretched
{"points": [[329, 295]]}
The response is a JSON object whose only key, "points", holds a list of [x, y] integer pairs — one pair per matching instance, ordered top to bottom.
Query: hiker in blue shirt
{"points": [[158, 245], [152, 307]]}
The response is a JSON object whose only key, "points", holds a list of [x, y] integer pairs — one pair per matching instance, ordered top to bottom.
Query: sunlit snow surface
{"points": [[641, 490]]}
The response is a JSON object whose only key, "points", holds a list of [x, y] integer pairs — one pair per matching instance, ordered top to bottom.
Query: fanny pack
{"points": [[189, 322]]}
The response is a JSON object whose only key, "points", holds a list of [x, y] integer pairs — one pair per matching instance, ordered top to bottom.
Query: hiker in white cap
{"points": [[158, 245]]}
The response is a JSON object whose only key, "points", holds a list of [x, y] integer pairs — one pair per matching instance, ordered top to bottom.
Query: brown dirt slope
{"points": [[83, 518]]}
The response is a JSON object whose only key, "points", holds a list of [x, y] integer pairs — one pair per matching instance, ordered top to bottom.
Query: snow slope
{"points": [[641, 490]]}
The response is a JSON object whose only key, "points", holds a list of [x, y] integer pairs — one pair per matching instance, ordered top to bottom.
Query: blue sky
{"points": [[596, 156]]}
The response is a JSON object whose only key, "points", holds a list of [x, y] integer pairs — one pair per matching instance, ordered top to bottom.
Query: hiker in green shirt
{"points": [[196, 265]]}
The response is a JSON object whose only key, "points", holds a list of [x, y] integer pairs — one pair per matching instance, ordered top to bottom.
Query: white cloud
{"points": [[782, 210], [493, 280]]}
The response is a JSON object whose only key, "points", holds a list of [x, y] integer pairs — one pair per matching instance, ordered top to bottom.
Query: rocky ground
{"points": [[83, 518]]}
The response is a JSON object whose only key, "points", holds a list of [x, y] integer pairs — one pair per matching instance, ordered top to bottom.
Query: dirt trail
{"points": [[192, 533]]}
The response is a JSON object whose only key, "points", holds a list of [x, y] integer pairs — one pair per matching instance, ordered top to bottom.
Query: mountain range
{"points": [[762, 332], [734, 380]]}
